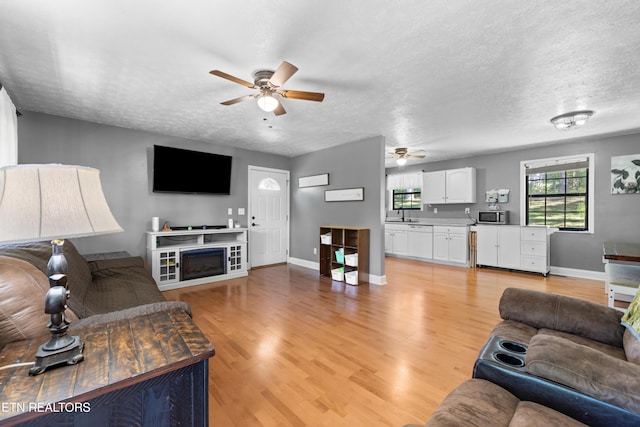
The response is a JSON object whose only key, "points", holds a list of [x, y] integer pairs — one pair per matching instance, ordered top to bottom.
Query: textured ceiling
{"points": [[454, 77]]}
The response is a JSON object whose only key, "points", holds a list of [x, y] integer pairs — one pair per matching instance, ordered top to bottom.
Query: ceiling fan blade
{"points": [[282, 74], [232, 78], [298, 94], [236, 100], [279, 109], [416, 156]]}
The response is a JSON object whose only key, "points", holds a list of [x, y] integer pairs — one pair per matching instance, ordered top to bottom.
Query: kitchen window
{"points": [[405, 191], [558, 192], [407, 199]]}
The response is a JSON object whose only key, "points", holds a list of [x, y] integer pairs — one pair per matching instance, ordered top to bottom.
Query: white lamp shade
{"points": [[401, 161], [45, 202]]}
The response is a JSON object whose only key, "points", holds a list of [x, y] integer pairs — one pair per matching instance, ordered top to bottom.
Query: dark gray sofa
{"points": [[101, 291]]}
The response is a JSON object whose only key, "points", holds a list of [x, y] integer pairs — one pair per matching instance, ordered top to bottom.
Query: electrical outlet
{"points": [[435, 210], [467, 210], [315, 251]]}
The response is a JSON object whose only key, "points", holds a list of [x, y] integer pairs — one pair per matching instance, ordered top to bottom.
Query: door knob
{"points": [[253, 224]]}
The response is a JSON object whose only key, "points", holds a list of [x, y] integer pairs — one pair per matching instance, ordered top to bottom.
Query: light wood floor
{"points": [[295, 349]]}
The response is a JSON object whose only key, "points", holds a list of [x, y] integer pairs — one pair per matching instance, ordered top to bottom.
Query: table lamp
{"points": [[53, 202]]}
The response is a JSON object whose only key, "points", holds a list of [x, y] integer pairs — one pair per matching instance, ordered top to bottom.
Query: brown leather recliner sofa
{"points": [[101, 291], [550, 355]]}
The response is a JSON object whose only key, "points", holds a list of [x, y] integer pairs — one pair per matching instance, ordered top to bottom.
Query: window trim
{"points": [[591, 225]]}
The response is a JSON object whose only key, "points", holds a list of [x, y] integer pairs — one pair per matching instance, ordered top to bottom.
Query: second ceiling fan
{"points": [[269, 83]]}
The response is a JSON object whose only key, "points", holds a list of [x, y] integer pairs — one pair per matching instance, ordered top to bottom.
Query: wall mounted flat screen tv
{"points": [[176, 170]]}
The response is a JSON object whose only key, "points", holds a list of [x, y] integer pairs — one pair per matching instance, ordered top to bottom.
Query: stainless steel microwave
{"points": [[493, 217]]}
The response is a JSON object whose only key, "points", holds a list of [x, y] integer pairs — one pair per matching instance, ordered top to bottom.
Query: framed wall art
{"points": [[625, 174], [313, 181], [344, 195]]}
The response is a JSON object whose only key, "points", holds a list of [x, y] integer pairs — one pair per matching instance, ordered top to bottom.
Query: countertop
{"points": [[447, 222]]}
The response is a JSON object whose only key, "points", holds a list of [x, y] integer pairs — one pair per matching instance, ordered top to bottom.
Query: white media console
{"points": [[193, 257]]}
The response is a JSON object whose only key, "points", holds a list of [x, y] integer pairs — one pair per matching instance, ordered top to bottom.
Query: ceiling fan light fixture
{"points": [[267, 103], [572, 120], [401, 161]]}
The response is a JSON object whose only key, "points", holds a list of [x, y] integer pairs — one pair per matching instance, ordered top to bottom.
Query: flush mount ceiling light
{"points": [[572, 120]]}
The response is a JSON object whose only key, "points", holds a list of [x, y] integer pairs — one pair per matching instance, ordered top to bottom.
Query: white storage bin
{"points": [[325, 239], [351, 260], [337, 274], [351, 277]]}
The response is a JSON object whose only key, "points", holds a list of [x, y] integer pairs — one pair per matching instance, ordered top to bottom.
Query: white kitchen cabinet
{"points": [[449, 186], [433, 187], [396, 239], [420, 241], [450, 244], [498, 246], [514, 247], [535, 249]]}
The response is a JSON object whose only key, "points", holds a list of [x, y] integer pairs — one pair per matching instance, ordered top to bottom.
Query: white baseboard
{"points": [[304, 263], [581, 274], [373, 279]]}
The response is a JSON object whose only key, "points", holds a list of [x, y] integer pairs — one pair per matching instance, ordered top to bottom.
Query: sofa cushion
{"points": [[78, 274], [119, 284], [22, 295], [562, 313], [613, 351], [582, 368], [478, 402]]}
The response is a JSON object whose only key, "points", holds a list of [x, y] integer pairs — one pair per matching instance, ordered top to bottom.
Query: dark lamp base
{"points": [[69, 355]]}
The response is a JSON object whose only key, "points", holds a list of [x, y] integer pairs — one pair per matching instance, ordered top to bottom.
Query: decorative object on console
{"points": [[572, 120], [625, 174], [49, 202]]}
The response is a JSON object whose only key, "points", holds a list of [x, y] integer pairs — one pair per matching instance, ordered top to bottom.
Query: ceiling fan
{"points": [[269, 83], [401, 154]]}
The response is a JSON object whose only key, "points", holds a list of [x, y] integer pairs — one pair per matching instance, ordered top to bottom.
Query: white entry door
{"points": [[268, 216]]}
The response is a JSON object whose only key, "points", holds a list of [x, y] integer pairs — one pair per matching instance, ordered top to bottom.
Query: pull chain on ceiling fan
{"points": [[269, 83]]}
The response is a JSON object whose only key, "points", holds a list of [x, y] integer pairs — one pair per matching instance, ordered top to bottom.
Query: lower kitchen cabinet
{"points": [[396, 239], [420, 241], [450, 244], [498, 246], [514, 247]]}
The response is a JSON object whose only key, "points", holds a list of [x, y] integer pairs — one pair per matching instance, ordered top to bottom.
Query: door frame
{"points": [[250, 169]]}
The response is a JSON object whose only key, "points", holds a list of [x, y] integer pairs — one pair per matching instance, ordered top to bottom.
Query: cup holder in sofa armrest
{"points": [[513, 346], [504, 352], [508, 359]]}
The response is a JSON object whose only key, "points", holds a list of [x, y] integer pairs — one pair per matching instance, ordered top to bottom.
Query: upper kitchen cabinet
{"points": [[449, 186]]}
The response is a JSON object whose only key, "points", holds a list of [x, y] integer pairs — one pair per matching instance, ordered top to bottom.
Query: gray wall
{"points": [[125, 160], [357, 164], [617, 217]]}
